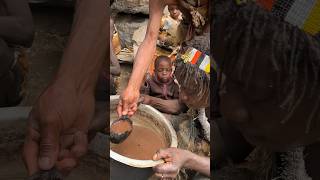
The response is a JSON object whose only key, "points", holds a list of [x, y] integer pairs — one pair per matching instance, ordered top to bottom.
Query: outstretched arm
{"points": [[130, 96], [171, 106], [175, 159]]}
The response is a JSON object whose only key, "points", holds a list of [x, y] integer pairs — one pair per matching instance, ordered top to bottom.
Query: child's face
{"points": [[174, 11], [163, 71]]}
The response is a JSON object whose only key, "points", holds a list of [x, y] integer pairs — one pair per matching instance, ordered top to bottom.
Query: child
{"points": [[171, 33], [160, 90]]}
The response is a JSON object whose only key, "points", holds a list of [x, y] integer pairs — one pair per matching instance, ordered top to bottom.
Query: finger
{"points": [[141, 98], [125, 107], [119, 108], [133, 109], [66, 141], [49, 145], [80, 146], [30, 151], [65, 153], [161, 154], [66, 165], [166, 168], [165, 176]]}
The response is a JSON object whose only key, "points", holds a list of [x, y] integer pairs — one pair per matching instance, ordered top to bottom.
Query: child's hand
{"points": [[145, 99]]}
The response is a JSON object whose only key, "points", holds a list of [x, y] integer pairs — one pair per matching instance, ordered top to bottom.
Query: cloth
{"points": [[155, 88]]}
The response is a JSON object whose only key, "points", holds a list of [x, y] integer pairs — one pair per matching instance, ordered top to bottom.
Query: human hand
{"points": [[145, 99], [128, 103], [57, 129], [174, 160]]}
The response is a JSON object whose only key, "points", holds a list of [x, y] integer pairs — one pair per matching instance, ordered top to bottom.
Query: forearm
{"points": [[87, 47], [147, 49], [142, 61], [166, 106], [198, 163]]}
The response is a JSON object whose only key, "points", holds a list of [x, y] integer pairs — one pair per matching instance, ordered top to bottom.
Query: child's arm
{"points": [[145, 88], [172, 106]]}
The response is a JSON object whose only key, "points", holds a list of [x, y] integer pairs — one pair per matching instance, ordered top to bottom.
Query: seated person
{"points": [[16, 30], [170, 31], [160, 90]]}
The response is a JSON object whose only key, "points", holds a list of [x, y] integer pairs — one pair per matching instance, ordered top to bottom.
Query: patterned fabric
{"points": [[304, 14], [198, 58]]}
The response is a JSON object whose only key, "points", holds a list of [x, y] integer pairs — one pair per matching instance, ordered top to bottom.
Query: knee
{"points": [[6, 57]]}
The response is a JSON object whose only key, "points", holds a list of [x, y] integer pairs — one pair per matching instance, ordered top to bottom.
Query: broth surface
{"points": [[142, 144]]}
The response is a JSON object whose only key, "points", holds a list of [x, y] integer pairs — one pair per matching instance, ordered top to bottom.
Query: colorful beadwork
{"points": [[198, 58]]}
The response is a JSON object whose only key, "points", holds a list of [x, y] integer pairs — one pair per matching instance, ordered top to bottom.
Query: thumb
{"points": [[125, 107], [119, 108], [49, 145], [161, 154]]}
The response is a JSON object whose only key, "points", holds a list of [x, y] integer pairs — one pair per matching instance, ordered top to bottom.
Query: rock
{"points": [[131, 6], [127, 25], [201, 42]]}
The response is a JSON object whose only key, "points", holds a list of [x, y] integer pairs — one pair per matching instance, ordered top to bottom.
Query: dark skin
{"points": [[174, 11], [172, 106], [57, 132]]}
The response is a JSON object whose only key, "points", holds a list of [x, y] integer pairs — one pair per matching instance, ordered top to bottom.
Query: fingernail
{"points": [[45, 163]]}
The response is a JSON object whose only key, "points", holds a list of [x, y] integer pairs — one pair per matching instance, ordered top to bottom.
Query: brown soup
{"points": [[142, 144]]}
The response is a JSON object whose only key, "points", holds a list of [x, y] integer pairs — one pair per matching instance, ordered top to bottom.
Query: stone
{"points": [[131, 6], [126, 26], [201, 42]]}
